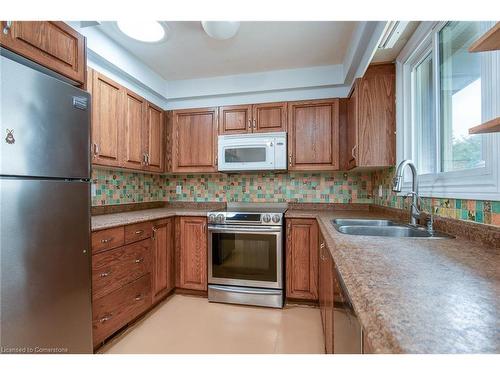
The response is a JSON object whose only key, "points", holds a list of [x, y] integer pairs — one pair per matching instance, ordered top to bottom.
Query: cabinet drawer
{"points": [[139, 231], [107, 239], [115, 268], [112, 312]]}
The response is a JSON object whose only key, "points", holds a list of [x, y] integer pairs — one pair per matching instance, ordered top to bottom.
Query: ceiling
{"points": [[189, 52]]}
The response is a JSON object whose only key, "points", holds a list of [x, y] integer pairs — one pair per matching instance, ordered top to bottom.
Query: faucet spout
{"points": [[397, 186]]}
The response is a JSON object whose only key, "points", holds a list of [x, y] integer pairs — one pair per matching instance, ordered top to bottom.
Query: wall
{"points": [[117, 187], [487, 212]]}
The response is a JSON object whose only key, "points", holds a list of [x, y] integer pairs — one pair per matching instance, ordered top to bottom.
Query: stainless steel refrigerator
{"points": [[44, 212]]}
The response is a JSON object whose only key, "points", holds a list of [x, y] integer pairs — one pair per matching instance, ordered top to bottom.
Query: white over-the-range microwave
{"points": [[252, 152]]}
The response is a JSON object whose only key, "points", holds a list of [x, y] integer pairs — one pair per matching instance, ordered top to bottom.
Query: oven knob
{"points": [[211, 218], [220, 218], [266, 218], [276, 218]]}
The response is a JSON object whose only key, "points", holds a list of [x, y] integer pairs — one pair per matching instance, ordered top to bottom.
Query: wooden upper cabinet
{"points": [[55, 45], [107, 114], [269, 117], [255, 118], [235, 119], [371, 119], [134, 128], [127, 130], [313, 135], [155, 138], [194, 140], [192, 253], [302, 259]]}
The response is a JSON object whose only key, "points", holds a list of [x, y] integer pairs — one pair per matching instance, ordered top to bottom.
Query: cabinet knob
{"points": [[8, 25]]}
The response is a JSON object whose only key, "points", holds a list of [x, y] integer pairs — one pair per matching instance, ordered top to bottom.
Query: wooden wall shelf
{"points": [[490, 41], [492, 126]]}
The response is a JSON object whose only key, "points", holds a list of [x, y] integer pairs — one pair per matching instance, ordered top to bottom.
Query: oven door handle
{"points": [[244, 229], [244, 290]]}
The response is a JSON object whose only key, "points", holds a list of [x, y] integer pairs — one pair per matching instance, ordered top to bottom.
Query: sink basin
{"points": [[364, 222], [387, 228], [389, 231]]}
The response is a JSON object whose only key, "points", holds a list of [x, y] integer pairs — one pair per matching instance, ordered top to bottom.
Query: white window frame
{"points": [[478, 183]]}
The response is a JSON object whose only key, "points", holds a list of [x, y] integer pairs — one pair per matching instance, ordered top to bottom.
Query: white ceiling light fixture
{"points": [[221, 30], [143, 31]]}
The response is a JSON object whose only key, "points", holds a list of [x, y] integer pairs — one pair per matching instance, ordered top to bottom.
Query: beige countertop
{"points": [[123, 218], [417, 295]]}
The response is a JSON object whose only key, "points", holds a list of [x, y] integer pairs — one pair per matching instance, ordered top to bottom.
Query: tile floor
{"points": [[192, 325]]}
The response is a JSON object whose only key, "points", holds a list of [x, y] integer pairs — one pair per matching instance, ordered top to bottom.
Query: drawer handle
{"points": [[139, 231], [106, 240], [322, 245], [140, 260], [104, 274], [139, 297], [105, 318]]}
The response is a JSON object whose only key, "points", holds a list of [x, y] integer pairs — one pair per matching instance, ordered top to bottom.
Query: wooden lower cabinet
{"points": [[191, 253], [163, 258], [302, 259], [121, 277], [326, 293], [115, 310]]}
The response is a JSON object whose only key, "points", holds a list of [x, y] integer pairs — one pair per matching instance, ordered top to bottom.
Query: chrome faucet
{"points": [[397, 185]]}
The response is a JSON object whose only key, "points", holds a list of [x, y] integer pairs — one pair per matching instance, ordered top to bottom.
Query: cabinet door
{"points": [[55, 45], [107, 115], [269, 117], [235, 119], [376, 121], [134, 126], [352, 127], [313, 135], [155, 139], [194, 140], [192, 250], [163, 258], [302, 259], [326, 293]]}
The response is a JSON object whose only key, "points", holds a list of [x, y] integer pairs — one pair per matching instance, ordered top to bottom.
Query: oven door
{"points": [[245, 256]]}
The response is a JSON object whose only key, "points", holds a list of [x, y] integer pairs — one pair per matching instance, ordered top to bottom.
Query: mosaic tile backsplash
{"points": [[117, 187], [486, 212]]}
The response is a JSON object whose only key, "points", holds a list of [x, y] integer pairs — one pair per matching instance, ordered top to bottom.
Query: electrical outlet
{"points": [[178, 189], [93, 190], [380, 191]]}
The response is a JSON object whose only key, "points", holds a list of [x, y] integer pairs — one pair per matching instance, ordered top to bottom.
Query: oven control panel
{"points": [[250, 218]]}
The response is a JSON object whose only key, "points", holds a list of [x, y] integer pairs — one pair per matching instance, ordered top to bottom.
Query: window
{"points": [[443, 90], [459, 97]]}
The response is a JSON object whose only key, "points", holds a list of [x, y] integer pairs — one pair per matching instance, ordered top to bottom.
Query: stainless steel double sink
{"points": [[384, 228]]}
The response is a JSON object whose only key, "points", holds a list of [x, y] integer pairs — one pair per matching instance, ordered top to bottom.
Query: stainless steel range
{"points": [[245, 254]]}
